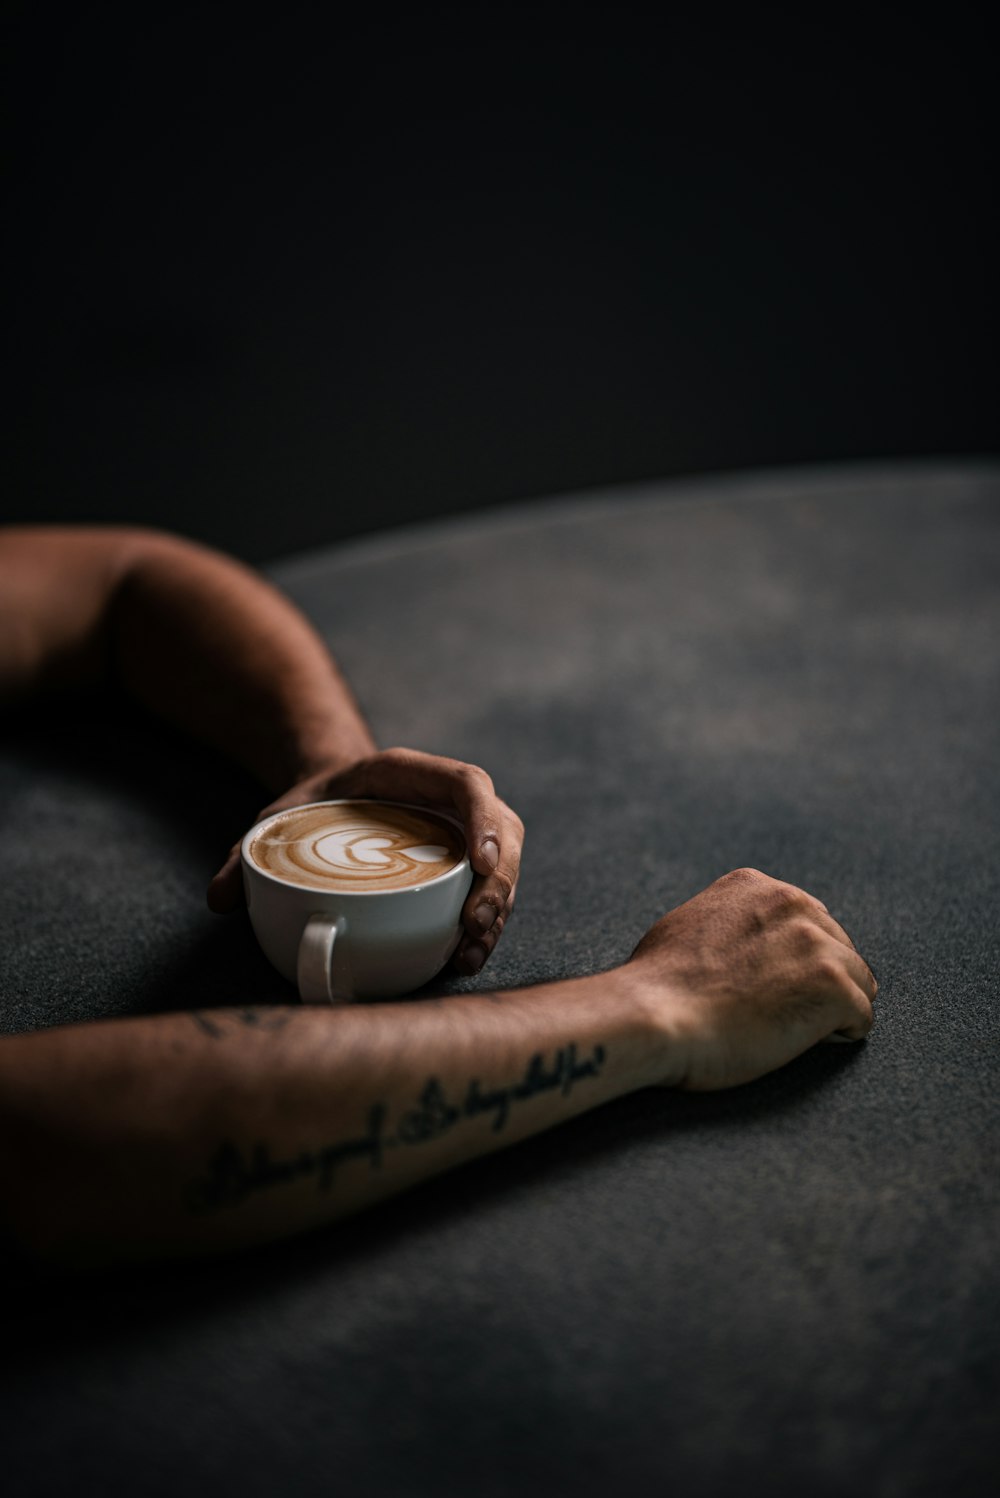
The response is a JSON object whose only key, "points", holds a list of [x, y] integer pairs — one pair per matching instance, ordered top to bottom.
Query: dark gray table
{"points": [[791, 1288]]}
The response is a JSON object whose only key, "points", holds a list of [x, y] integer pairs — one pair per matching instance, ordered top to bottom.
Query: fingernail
{"points": [[490, 852], [484, 915], [474, 957]]}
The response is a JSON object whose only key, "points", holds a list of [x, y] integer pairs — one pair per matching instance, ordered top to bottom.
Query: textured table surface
{"points": [[791, 1287]]}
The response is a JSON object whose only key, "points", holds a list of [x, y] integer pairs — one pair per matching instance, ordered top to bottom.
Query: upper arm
{"points": [[56, 588]]}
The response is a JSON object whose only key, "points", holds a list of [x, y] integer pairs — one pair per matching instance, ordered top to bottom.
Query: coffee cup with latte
{"points": [[356, 899]]}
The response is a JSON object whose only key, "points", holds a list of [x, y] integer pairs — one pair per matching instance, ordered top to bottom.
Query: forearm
{"points": [[196, 637], [211, 646], [185, 1134]]}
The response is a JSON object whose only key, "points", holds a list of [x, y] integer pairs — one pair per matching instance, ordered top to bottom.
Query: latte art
{"points": [[357, 846]]}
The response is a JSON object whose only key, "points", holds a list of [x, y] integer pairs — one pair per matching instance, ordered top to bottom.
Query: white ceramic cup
{"points": [[338, 945]]}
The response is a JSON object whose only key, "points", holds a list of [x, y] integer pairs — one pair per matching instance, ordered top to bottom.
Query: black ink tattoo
{"points": [[257, 1018], [205, 1025], [564, 1073], [477, 1101], [434, 1116], [232, 1177]]}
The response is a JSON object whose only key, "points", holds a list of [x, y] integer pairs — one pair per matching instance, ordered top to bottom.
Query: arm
{"points": [[194, 636], [207, 644], [193, 1133]]}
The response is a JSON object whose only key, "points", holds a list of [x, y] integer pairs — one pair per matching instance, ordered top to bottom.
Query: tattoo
{"points": [[255, 1018], [207, 1026], [564, 1073], [434, 1116], [232, 1177]]}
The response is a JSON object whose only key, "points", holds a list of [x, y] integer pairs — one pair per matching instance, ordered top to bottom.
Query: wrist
{"points": [[326, 751], [655, 1010]]}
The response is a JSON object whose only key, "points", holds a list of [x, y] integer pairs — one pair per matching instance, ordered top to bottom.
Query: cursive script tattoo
{"points": [[565, 1071], [433, 1116], [233, 1176]]}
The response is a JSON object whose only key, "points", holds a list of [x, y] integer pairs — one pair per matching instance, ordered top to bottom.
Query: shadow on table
{"points": [[106, 745], [203, 800], [124, 1306]]}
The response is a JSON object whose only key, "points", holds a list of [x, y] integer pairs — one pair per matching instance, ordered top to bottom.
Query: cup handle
{"points": [[315, 964]]}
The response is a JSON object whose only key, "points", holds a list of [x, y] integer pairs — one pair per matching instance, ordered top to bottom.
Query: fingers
{"points": [[412, 775], [423, 779], [494, 833], [225, 892], [491, 892], [491, 898], [798, 903], [819, 913], [473, 951], [855, 964], [863, 976], [851, 985], [838, 988], [860, 1000], [850, 1034]]}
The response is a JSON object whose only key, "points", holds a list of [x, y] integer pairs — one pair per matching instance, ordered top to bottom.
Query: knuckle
{"points": [[396, 756], [476, 779], [746, 876], [505, 885], [785, 897], [807, 936], [488, 939], [830, 972]]}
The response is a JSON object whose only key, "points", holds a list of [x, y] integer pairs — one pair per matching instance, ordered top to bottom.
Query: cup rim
{"points": [[353, 894]]}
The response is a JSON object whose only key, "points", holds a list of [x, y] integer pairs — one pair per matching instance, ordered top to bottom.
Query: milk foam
{"points": [[358, 846]]}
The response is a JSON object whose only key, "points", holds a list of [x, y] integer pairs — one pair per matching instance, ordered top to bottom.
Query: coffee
{"points": [[357, 847]]}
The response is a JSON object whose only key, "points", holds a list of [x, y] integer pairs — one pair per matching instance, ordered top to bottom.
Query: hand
{"points": [[494, 833], [746, 976]]}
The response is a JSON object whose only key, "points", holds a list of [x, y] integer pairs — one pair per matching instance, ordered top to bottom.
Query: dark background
{"points": [[280, 281]]}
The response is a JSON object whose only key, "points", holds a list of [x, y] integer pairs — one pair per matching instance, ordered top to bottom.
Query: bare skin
{"points": [[207, 644], [198, 1133]]}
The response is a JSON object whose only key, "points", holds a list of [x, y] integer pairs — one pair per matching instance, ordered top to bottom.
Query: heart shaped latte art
{"points": [[358, 846], [347, 849]]}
